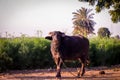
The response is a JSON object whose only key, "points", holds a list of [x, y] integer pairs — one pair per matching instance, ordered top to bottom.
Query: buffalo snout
{"points": [[48, 37]]}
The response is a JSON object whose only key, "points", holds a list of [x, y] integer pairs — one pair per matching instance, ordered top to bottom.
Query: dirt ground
{"points": [[111, 73]]}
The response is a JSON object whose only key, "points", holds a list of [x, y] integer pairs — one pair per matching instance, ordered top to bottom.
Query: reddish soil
{"points": [[112, 73]]}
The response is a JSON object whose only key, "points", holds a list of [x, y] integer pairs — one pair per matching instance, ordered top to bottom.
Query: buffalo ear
{"points": [[48, 37]]}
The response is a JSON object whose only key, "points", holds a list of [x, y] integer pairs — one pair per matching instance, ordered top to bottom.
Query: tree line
{"points": [[34, 53]]}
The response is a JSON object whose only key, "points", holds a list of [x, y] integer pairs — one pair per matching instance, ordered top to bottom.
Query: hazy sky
{"points": [[28, 16]]}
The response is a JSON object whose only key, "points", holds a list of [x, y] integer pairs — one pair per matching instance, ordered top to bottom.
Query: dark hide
{"points": [[65, 47]]}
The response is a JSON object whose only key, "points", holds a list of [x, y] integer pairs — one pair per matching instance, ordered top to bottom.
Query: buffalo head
{"points": [[55, 36]]}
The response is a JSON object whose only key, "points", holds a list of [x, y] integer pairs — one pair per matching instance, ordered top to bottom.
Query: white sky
{"points": [[28, 16]]}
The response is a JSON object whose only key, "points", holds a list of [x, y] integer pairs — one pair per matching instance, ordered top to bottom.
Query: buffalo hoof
{"points": [[58, 76], [79, 76]]}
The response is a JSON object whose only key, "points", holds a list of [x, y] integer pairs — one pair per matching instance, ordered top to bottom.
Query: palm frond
{"points": [[83, 20]]}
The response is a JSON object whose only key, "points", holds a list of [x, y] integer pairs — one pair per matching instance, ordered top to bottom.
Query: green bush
{"points": [[104, 52], [25, 53], [33, 53]]}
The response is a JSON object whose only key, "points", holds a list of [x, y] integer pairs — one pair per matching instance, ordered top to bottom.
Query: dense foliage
{"points": [[101, 4], [103, 32], [104, 52], [24, 53], [33, 53]]}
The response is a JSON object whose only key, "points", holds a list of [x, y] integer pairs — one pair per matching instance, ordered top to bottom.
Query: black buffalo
{"points": [[65, 47]]}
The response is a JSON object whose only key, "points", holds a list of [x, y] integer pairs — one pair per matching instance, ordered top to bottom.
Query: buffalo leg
{"points": [[59, 64], [81, 71]]}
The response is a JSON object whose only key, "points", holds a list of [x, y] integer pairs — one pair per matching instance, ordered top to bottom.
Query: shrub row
{"points": [[104, 52], [24, 53], [32, 53]]}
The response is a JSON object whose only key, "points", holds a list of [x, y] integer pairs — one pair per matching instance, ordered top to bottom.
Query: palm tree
{"points": [[83, 23], [6, 33]]}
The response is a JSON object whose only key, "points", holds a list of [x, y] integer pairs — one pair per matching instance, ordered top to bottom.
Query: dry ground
{"points": [[112, 73]]}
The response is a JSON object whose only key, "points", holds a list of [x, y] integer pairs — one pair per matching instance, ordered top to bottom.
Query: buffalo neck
{"points": [[55, 45]]}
